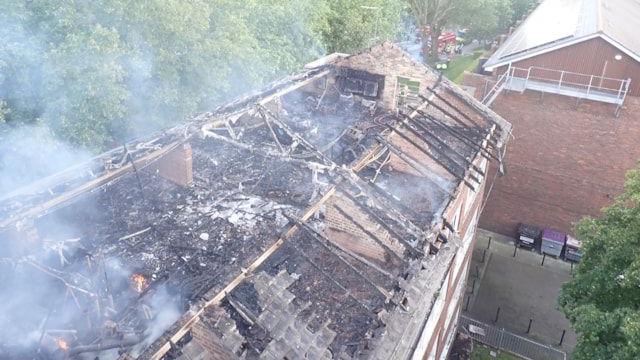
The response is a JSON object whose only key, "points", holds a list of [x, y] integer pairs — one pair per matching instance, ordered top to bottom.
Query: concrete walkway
{"points": [[521, 287]]}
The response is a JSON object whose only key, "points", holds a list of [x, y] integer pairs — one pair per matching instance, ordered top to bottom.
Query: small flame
{"points": [[139, 282], [62, 344]]}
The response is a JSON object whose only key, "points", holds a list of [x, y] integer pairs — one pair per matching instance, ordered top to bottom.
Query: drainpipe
{"points": [[604, 71]]}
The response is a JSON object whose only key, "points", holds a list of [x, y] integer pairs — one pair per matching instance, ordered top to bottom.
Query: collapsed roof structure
{"points": [[317, 218]]}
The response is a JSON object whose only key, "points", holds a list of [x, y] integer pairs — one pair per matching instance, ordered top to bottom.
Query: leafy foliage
{"points": [[483, 18], [355, 24], [100, 72], [602, 300]]}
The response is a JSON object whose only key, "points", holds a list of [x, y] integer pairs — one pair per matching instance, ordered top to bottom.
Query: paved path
{"points": [[521, 287]]}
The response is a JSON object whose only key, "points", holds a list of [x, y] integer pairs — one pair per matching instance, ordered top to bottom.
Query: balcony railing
{"points": [[567, 83]]}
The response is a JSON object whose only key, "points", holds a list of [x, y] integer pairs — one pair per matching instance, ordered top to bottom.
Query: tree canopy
{"points": [[484, 18], [99, 72], [96, 73], [602, 301]]}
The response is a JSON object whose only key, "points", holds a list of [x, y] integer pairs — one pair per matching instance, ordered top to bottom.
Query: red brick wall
{"points": [[589, 57], [388, 60], [562, 163], [177, 165], [350, 236], [210, 342]]}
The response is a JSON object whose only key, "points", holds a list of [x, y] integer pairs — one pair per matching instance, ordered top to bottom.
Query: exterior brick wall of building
{"points": [[592, 57], [395, 63], [562, 163], [176, 166], [211, 342]]}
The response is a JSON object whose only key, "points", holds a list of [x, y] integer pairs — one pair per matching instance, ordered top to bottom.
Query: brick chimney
{"points": [[177, 165]]}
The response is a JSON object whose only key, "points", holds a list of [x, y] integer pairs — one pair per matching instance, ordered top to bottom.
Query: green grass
{"points": [[458, 66], [481, 352]]}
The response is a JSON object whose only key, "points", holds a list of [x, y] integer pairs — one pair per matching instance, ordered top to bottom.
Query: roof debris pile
{"points": [[312, 223]]}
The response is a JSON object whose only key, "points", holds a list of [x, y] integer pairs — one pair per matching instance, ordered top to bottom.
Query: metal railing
{"points": [[582, 83], [495, 90], [507, 341]]}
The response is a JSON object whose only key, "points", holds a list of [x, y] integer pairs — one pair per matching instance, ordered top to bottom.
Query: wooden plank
{"points": [[82, 189]]}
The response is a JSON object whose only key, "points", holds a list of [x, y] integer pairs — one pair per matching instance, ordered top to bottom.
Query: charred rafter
{"points": [[464, 101], [458, 120], [455, 133], [294, 135], [441, 143], [415, 164], [418, 166], [465, 171], [368, 189], [384, 223], [369, 234], [338, 252], [329, 277]]}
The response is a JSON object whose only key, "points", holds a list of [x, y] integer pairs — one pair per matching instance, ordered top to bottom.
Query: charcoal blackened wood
{"points": [[450, 105], [449, 114], [295, 135], [458, 135], [275, 137], [440, 142], [265, 152], [414, 163], [384, 224], [368, 233], [338, 251], [330, 277], [77, 350]]}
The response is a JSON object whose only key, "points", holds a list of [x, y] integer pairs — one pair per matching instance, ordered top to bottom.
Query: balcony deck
{"points": [[522, 84]]}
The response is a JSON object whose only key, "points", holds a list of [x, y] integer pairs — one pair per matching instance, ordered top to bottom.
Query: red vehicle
{"points": [[447, 38]]}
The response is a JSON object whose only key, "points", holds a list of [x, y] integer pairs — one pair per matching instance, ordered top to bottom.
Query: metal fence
{"points": [[504, 340]]}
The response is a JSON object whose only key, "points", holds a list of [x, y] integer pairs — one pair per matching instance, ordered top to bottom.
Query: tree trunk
{"points": [[436, 31]]}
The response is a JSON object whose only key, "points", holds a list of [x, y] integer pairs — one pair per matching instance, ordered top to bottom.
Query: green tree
{"points": [[521, 8], [435, 15], [356, 24], [100, 72], [602, 300]]}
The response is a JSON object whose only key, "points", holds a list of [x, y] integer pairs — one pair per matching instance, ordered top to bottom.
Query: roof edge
{"points": [[492, 65]]}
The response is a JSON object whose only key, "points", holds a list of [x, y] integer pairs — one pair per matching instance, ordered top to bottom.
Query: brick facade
{"points": [[592, 57], [393, 64], [563, 163], [176, 166], [363, 244]]}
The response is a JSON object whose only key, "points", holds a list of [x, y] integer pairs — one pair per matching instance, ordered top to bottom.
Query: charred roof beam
{"points": [[450, 105], [449, 114], [457, 119], [295, 135], [458, 135], [275, 137], [440, 142], [264, 152], [415, 164], [419, 167], [465, 170], [367, 187], [369, 234], [401, 239], [336, 250], [331, 278]]}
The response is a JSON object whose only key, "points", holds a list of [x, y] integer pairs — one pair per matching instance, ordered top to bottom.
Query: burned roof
{"points": [[311, 225]]}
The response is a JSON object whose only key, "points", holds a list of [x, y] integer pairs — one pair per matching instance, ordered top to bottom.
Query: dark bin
{"points": [[527, 235], [552, 242]]}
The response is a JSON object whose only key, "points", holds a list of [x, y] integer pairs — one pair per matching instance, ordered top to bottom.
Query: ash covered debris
{"points": [[302, 221]]}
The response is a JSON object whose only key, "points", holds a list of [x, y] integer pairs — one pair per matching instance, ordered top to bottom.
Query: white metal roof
{"points": [[558, 23]]}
